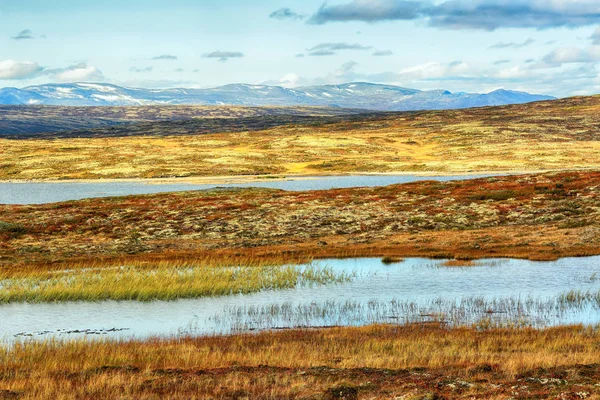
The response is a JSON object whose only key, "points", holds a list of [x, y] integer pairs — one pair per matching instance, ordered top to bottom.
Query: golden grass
{"points": [[540, 136], [459, 263], [165, 281], [376, 362]]}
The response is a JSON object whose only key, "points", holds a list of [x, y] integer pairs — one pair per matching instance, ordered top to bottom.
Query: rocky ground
{"points": [[543, 216]]}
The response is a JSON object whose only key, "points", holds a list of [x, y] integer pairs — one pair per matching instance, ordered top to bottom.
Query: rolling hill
{"points": [[538, 136]]}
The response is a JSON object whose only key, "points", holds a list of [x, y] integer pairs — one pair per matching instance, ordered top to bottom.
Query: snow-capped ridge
{"points": [[363, 95]]}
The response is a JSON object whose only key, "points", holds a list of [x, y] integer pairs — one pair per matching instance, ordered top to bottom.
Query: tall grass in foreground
{"points": [[164, 282], [219, 367]]}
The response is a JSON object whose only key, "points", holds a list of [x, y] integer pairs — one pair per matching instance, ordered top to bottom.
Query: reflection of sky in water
{"points": [[40, 192], [416, 280]]}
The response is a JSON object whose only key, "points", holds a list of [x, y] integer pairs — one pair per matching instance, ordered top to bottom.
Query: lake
{"points": [[52, 192], [497, 291]]}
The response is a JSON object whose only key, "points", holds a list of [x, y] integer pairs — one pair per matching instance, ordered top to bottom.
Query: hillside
{"points": [[351, 95], [26, 121], [538, 136]]}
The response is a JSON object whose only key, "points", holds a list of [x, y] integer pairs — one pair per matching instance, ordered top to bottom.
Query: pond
{"points": [[52, 192], [495, 291]]}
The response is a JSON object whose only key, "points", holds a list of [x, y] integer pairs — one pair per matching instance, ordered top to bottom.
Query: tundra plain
{"points": [[177, 245]]}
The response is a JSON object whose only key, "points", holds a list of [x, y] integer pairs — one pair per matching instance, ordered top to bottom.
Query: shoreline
{"points": [[241, 179], [539, 217]]}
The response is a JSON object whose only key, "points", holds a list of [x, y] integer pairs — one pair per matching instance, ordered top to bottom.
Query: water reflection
{"points": [[499, 291]]}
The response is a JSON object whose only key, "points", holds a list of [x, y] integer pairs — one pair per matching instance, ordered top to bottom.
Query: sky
{"points": [[539, 46]]}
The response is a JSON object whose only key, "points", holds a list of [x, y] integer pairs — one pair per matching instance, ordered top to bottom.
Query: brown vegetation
{"points": [[542, 217], [382, 362]]}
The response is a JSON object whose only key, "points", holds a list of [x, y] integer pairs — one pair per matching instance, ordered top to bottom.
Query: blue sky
{"points": [[542, 46]]}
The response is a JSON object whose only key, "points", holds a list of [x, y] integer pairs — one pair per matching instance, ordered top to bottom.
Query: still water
{"points": [[52, 192], [416, 290]]}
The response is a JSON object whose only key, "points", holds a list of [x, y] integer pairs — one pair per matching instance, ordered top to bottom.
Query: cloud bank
{"points": [[486, 15], [24, 35], [512, 45], [329, 49], [167, 57], [10, 69], [75, 73]]}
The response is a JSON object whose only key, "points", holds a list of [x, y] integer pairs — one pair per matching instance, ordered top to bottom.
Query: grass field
{"points": [[531, 137], [378, 362]]}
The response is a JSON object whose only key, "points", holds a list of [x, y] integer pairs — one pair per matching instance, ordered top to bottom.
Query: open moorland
{"points": [[532, 137], [541, 217], [235, 241]]}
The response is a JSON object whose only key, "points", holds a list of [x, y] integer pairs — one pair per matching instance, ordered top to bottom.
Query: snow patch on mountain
{"points": [[361, 95]]}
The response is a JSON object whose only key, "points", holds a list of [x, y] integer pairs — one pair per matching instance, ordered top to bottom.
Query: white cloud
{"points": [[596, 37], [571, 54], [10, 69], [435, 70], [515, 72], [76, 73], [289, 81]]}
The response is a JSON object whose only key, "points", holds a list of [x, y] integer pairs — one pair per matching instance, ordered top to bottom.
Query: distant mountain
{"points": [[351, 95], [13, 96]]}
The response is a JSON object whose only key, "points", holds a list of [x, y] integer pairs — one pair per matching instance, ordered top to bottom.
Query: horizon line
{"points": [[269, 85]]}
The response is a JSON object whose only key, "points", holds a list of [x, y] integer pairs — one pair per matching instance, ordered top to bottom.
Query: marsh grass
{"points": [[166, 281], [579, 297], [480, 312], [306, 363]]}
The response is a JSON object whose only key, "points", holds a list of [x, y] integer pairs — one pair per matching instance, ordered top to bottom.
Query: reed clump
{"points": [[459, 263], [165, 281]]}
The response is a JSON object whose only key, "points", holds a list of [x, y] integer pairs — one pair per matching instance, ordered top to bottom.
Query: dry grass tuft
{"points": [[372, 362]]}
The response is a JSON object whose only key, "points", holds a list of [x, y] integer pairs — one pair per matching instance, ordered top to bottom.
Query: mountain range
{"points": [[358, 95]]}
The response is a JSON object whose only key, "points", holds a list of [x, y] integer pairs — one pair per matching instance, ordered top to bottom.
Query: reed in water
{"points": [[163, 281]]}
